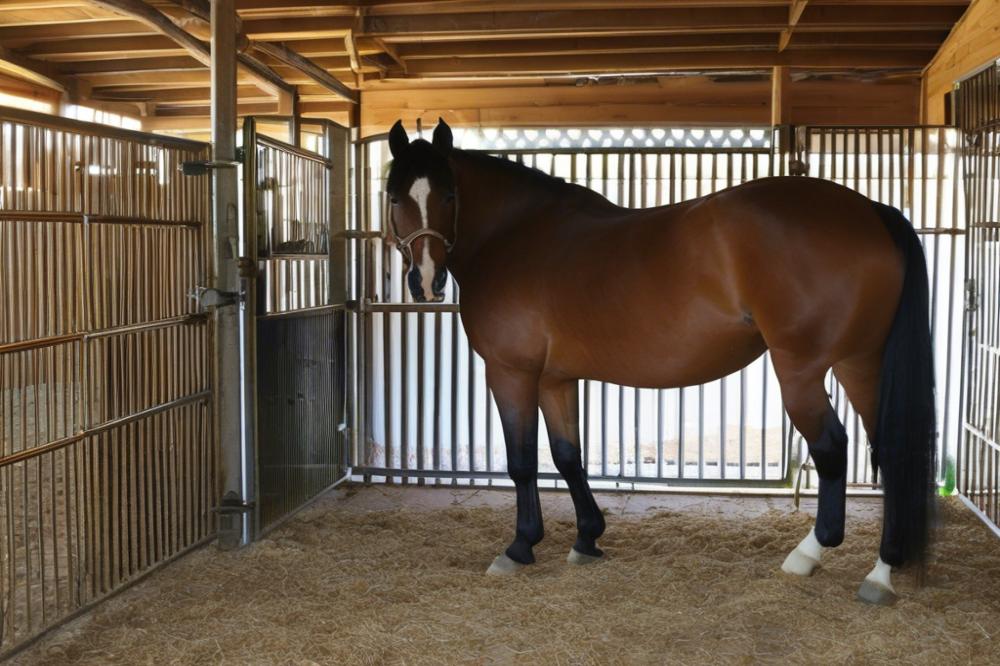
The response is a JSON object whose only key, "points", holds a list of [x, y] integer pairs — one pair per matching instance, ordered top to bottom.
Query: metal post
{"points": [[235, 526]]}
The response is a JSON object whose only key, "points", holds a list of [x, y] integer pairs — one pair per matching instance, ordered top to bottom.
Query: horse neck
{"points": [[490, 199]]}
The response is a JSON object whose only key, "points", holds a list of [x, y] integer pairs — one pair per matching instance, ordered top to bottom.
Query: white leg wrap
{"points": [[805, 558], [881, 575]]}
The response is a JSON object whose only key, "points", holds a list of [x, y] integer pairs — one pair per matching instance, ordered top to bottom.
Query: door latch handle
{"points": [[209, 297]]}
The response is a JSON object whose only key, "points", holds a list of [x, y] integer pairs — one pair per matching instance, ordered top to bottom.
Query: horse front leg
{"points": [[516, 394], [560, 403]]}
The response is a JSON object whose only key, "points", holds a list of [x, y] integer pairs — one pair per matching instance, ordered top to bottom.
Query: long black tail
{"points": [[905, 438]]}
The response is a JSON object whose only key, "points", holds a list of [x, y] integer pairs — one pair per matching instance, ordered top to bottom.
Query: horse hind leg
{"points": [[860, 379], [560, 406], [809, 408]]}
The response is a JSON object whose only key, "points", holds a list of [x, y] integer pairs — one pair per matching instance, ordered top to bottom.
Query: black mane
{"points": [[537, 176]]}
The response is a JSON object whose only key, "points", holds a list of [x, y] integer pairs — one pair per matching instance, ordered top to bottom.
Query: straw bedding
{"points": [[341, 584]]}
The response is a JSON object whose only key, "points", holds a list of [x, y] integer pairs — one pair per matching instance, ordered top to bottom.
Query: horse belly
{"points": [[663, 360]]}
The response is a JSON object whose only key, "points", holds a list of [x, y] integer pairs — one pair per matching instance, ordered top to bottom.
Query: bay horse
{"points": [[558, 284]]}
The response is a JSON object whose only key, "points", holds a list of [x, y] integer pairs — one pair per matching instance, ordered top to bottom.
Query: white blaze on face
{"points": [[419, 192], [426, 268]]}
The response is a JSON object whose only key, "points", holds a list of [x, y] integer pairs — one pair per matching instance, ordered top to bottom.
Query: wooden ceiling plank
{"points": [[297, 28], [15, 35], [103, 47], [172, 63], [175, 96]]}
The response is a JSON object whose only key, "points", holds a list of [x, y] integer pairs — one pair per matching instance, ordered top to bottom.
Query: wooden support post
{"points": [[780, 106]]}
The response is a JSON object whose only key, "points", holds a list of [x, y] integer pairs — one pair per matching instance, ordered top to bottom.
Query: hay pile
{"points": [[340, 585]]}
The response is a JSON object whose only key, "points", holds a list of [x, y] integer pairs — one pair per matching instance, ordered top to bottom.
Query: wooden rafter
{"points": [[794, 14], [152, 17], [307, 67], [34, 71]]}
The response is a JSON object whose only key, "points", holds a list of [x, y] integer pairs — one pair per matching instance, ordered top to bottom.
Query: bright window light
{"points": [[26, 103], [98, 116]]}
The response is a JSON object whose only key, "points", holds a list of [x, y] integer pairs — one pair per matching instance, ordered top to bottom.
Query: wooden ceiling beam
{"points": [[409, 7], [794, 14], [152, 17], [521, 25], [663, 44], [570, 45], [665, 62], [312, 69], [34, 71]]}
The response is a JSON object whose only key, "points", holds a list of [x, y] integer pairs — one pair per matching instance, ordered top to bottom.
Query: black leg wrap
{"points": [[829, 454], [522, 466], [589, 519]]}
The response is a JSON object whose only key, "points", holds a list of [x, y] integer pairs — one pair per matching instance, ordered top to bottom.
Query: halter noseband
{"points": [[404, 243]]}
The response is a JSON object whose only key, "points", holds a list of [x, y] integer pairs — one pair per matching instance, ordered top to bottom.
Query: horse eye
{"points": [[450, 197], [394, 201]]}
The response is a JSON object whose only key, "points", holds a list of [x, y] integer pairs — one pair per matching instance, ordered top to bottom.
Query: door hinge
{"points": [[971, 296]]}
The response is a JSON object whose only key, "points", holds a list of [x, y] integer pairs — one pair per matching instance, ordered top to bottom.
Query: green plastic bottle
{"points": [[949, 478]]}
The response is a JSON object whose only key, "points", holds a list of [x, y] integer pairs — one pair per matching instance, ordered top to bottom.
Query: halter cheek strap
{"points": [[404, 243]]}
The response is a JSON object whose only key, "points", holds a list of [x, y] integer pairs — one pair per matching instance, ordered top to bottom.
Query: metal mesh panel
{"points": [[107, 466]]}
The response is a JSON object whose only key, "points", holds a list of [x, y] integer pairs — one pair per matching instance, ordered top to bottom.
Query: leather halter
{"points": [[404, 243]]}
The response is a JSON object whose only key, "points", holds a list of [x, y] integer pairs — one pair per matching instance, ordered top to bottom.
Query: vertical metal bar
{"points": [[237, 447]]}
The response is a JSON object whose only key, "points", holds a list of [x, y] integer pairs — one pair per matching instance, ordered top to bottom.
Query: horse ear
{"points": [[442, 139], [398, 140]]}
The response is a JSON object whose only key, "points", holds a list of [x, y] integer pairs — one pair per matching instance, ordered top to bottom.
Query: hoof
{"points": [[576, 557], [799, 564], [504, 566], [873, 593]]}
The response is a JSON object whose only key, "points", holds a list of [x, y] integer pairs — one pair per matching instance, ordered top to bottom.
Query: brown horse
{"points": [[558, 284]]}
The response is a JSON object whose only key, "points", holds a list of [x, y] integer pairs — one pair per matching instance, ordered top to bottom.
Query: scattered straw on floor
{"points": [[407, 586]]}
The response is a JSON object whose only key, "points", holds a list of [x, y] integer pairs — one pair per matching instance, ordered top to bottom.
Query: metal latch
{"points": [[201, 167], [971, 296], [209, 297]]}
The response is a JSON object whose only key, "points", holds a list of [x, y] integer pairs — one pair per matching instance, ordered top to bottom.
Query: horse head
{"points": [[422, 208]]}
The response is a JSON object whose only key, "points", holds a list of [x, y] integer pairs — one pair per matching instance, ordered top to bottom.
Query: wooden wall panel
{"points": [[973, 43]]}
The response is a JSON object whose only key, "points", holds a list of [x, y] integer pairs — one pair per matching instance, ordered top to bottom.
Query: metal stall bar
{"points": [[918, 170], [107, 456], [978, 469]]}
